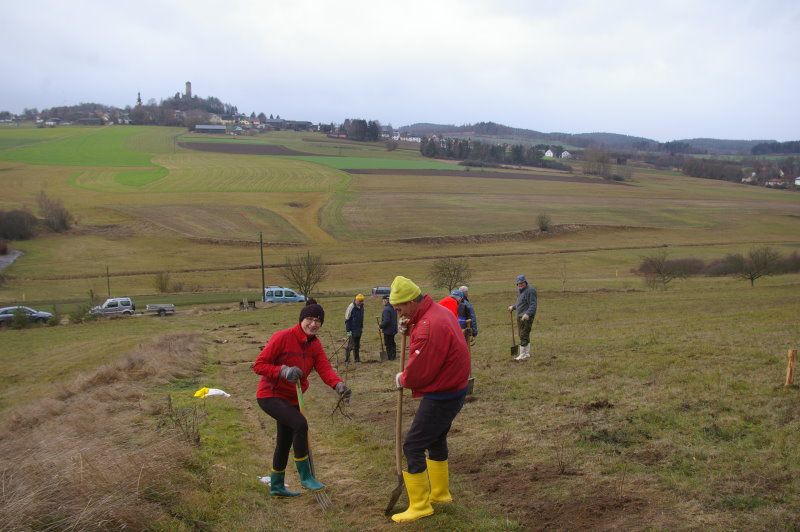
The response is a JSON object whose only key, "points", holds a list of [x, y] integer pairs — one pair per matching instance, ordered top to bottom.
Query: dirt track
{"points": [[240, 149], [562, 178]]}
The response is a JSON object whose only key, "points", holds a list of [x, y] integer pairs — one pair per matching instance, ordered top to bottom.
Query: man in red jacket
{"points": [[289, 356], [437, 370]]}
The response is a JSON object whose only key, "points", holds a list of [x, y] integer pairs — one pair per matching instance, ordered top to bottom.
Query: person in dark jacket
{"points": [[468, 310], [526, 310], [354, 325], [388, 327], [289, 357], [438, 372]]}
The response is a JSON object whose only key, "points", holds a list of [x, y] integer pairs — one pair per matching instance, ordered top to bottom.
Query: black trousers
{"points": [[354, 345], [391, 346], [292, 430], [429, 430]]}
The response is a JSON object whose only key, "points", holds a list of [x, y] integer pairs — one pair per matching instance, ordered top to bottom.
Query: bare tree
{"points": [[597, 163], [55, 215], [543, 222], [760, 262], [659, 271], [304, 272], [450, 272], [161, 282]]}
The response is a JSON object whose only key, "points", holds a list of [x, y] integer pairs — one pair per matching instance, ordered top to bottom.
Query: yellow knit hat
{"points": [[403, 290], [359, 297]]}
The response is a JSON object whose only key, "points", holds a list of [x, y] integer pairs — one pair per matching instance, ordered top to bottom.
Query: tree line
{"points": [[361, 130], [766, 148], [471, 151], [759, 170], [658, 269]]}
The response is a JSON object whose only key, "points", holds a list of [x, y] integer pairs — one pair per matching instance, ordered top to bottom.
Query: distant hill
{"points": [[513, 134], [613, 141], [724, 146]]}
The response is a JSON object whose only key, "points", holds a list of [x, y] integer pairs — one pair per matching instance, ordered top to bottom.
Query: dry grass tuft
{"points": [[84, 460]]}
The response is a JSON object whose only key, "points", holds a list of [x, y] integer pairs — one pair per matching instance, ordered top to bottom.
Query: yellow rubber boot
{"points": [[440, 481], [418, 488]]}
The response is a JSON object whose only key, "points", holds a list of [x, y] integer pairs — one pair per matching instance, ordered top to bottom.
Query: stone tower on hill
{"points": [[188, 89]]}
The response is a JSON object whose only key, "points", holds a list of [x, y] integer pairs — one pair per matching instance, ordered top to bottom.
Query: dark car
{"points": [[380, 291], [33, 315]]}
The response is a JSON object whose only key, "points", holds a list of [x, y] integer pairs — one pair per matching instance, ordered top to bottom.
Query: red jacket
{"points": [[450, 303], [291, 347], [439, 359]]}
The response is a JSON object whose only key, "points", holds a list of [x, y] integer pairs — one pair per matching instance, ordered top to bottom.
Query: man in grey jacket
{"points": [[526, 311]]}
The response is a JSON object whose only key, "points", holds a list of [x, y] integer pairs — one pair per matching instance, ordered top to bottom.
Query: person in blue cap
{"points": [[526, 311]]}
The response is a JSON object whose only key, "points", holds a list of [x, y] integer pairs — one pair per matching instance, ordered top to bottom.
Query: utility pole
{"points": [[261, 248], [108, 281]]}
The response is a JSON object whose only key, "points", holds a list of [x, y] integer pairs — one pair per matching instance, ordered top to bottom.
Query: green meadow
{"points": [[638, 409]]}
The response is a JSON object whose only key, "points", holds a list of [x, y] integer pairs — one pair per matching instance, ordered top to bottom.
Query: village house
{"points": [[548, 153], [566, 155]]}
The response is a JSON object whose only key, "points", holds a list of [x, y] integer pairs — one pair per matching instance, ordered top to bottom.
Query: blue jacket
{"points": [[526, 302], [467, 312], [354, 319], [388, 320]]}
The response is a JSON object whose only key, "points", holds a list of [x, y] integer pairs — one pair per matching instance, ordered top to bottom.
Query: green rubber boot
{"points": [[307, 479], [277, 487]]}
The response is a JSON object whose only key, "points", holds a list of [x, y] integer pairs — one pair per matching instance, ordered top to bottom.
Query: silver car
{"points": [[115, 306]]}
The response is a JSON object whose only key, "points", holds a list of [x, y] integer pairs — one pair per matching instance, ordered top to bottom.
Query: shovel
{"points": [[468, 338], [514, 345], [384, 356], [398, 433]]}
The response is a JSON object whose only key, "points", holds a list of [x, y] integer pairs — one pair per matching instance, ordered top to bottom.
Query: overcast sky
{"points": [[659, 69]]}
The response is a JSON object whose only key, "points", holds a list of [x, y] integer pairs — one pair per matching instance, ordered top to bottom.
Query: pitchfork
{"points": [[322, 498]]}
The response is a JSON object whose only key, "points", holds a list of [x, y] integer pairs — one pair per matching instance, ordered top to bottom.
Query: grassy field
{"points": [[639, 409]]}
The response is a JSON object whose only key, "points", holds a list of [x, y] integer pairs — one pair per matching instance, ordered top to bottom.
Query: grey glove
{"points": [[402, 326], [291, 374], [344, 391]]}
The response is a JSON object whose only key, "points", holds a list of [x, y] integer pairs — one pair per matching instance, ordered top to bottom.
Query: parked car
{"points": [[380, 291], [280, 294], [115, 306], [162, 309], [33, 315]]}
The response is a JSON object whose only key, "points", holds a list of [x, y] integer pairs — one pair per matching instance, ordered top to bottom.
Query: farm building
{"points": [[209, 128], [548, 153], [566, 155]]}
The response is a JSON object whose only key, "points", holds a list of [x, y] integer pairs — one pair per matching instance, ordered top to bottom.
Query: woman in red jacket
{"points": [[289, 356]]}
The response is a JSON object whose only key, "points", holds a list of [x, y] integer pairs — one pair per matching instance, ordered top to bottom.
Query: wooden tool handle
{"points": [[513, 334], [790, 365], [398, 425]]}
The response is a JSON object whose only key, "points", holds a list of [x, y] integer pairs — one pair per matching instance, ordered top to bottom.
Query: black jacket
{"points": [[354, 319], [389, 320]]}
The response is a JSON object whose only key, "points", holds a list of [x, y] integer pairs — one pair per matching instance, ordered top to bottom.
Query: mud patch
{"points": [[240, 149], [563, 178], [106, 230], [529, 234], [603, 404]]}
